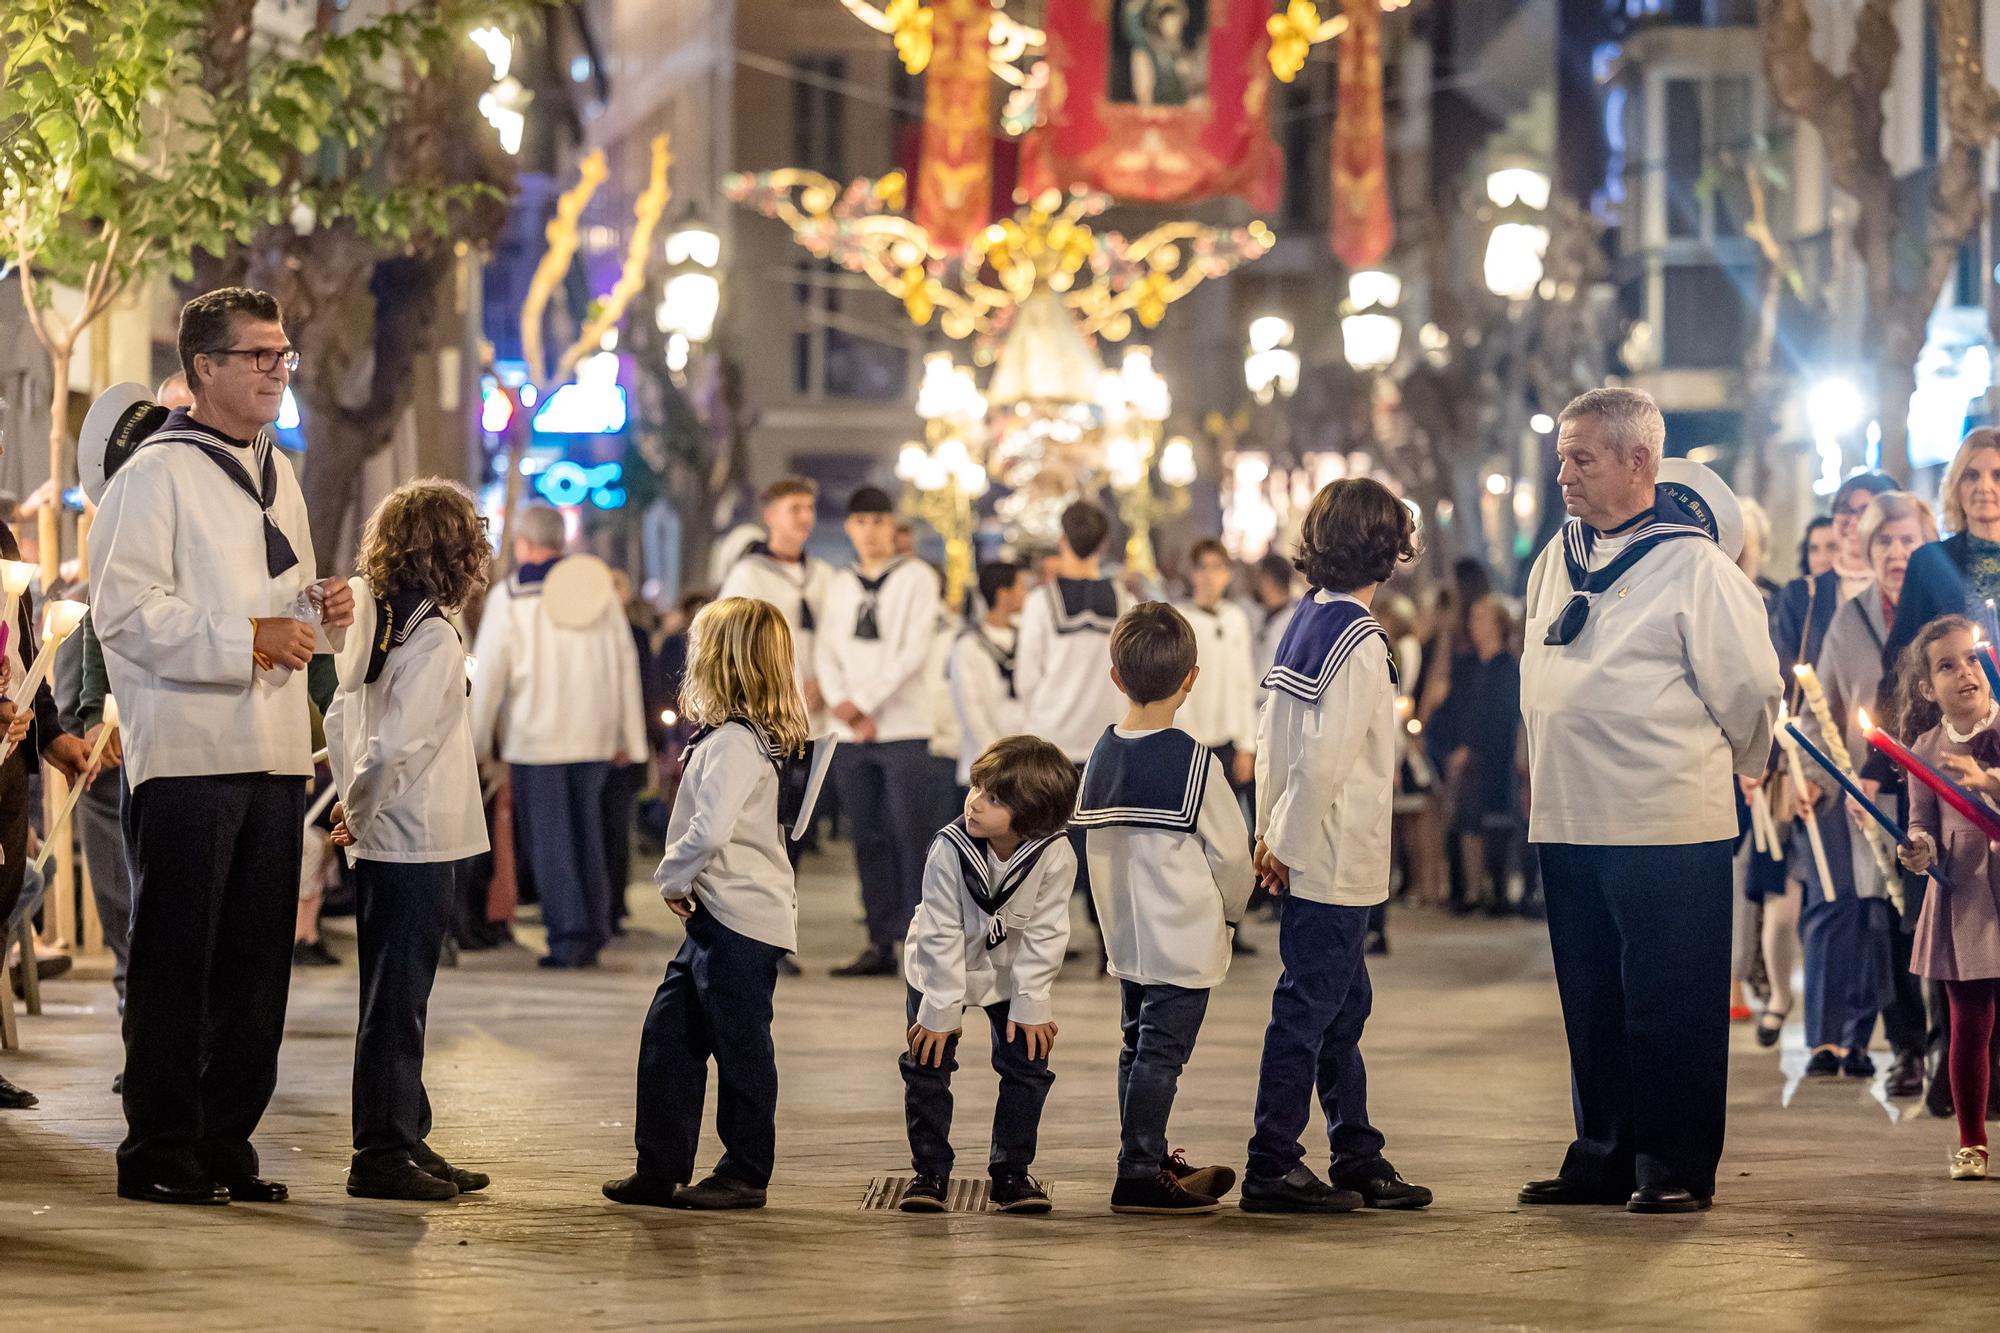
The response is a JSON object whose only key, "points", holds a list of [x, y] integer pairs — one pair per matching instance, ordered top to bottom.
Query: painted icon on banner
{"points": [[1159, 53]]}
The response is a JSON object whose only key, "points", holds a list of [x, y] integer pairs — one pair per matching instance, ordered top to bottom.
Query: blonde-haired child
{"points": [[1943, 701], [400, 746], [726, 875]]}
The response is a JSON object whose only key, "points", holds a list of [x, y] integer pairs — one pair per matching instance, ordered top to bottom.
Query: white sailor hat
{"points": [[116, 425], [1708, 498], [578, 591], [356, 649]]}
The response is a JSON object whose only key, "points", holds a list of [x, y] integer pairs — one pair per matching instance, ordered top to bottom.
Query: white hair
{"points": [[1630, 418], [542, 526]]}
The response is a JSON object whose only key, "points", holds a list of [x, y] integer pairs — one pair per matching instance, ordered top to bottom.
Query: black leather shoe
{"points": [[877, 960], [1771, 1026], [1824, 1064], [1858, 1064], [1906, 1076], [11, 1097], [399, 1179], [465, 1182], [1381, 1186], [254, 1189], [641, 1190], [159, 1191], [1559, 1191], [1299, 1192], [717, 1193], [1019, 1193], [924, 1194], [1666, 1199]]}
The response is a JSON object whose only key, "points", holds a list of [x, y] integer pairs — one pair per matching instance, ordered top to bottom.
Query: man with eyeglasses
{"points": [[202, 562], [1647, 683]]}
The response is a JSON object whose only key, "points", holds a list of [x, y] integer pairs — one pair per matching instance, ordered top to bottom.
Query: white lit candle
{"points": [[15, 576], [59, 621]]}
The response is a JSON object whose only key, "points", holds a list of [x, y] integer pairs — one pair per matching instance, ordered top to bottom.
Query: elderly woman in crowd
{"points": [[1850, 937]]}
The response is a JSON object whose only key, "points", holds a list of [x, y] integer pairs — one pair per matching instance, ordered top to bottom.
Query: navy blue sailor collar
{"points": [[1677, 512], [1083, 605], [1318, 642], [1155, 780]]}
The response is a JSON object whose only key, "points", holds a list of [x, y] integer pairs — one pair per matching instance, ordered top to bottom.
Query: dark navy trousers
{"points": [[887, 801], [560, 810], [403, 910], [1641, 940], [715, 1003], [1321, 1003], [1160, 1024], [1017, 1113]]}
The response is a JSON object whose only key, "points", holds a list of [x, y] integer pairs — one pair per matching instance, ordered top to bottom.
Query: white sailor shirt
{"points": [[796, 587], [1062, 665], [883, 675], [982, 691], [543, 693], [1222, 707], [1326, 754], [724, 845], [1169, 856], [950, 957]]}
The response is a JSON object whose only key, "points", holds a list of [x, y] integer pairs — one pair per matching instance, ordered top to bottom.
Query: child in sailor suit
{"points": [[1326, 763], [1169, 863], [990, 932]]}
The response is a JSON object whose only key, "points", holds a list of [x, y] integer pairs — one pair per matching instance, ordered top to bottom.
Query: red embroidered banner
{"points": [[1162, 101], [955, 162], [1363, 228]]}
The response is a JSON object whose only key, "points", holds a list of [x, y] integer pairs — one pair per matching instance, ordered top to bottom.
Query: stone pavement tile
{"points": [[1832, 1214]]}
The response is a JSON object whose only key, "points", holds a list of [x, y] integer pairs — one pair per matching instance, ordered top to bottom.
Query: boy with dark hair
{"points": [[778, 570], [1271, 586], [874, 645], [1059, 668], [1326, 763], [1165, 900], [990, 932]]}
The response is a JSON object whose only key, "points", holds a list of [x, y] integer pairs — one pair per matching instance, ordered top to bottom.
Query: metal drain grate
{"points": [[963, 1194]]}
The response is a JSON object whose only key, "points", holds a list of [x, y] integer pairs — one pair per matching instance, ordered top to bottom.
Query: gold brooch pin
{"points": [[1624, 590]]}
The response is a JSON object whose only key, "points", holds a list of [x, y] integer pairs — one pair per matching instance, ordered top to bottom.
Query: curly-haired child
{"points": [[410, 817]]}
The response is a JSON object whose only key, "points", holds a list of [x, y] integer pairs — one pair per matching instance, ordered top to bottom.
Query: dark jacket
{"points": [[1934, 586], [1805, 610], [46, 727]]}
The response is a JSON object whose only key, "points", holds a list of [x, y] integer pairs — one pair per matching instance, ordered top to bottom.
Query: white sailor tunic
{"points": [[989, 930]]}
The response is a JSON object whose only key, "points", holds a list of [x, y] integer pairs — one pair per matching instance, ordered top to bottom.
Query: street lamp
{"points": [[505, 103], [1520, 239], [692, 296], [1370, 333], [1271, 370]]}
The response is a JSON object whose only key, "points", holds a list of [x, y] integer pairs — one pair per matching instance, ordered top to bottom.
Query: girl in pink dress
{"points": [[1943, 700]]}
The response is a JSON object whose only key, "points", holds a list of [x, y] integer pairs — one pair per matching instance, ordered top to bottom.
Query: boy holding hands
{"points": [[1326, 763], [1169, 863]]}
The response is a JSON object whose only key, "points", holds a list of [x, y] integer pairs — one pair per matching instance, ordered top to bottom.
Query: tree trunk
{"points": [[1902, 341], [1759, 380], [340, 449], [48, 524]]}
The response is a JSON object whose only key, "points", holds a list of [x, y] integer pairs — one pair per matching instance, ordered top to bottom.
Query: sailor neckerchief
{"points": [[180, 428], [1672, 516], [784, 568], [527, 579], [1083, 605], [867, 619], [995, 890]]}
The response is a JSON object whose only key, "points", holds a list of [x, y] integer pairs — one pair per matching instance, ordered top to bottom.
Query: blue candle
{"points": [[1848, 785]]}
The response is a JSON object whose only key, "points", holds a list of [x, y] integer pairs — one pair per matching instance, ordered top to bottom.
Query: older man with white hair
{"points": [[1647, 684]]}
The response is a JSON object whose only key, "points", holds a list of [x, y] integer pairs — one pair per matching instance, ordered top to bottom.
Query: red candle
{"points": [[1957, 797]]}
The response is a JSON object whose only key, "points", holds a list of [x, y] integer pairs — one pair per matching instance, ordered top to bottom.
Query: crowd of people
{"points": [[1297, 740]]}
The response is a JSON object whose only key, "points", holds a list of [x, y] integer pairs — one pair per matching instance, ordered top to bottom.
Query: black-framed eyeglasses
{"points": [[266, 359]]}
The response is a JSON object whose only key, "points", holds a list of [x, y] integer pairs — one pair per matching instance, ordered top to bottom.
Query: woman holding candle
{"points": [[1943, 699], [1851, 938]]}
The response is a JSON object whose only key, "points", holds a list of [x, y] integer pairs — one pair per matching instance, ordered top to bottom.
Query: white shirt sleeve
{"points": [[138, 610], [908, 615], [831, 633], [1032, 649], [492, 656], [1730, 659], [975, 694], [1239, 698], [631, 702], [413, 721], [1330, 737], [338, 757], [718, 782], [1227, 842], [1038, 957], [936, 962]]}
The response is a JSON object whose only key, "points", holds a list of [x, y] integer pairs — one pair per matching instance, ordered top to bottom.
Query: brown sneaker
{"points": [[1214, 1181], [1158, 1195]]}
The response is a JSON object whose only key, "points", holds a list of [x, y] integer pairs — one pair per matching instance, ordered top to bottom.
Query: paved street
{"points": [[1835, 1213]]}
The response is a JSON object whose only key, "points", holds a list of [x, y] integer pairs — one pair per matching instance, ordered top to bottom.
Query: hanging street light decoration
{"points": [[1519, 243], [691, 298], [1370, 332], [1271, 369], [946, 474]]}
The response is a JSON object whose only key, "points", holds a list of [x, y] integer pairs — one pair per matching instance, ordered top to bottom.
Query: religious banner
{"points": [[1161, 101], [955, 161], [1363, 229]]}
